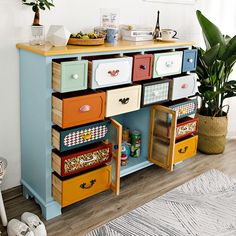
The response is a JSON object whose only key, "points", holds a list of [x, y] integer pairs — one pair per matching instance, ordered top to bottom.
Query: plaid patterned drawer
{"points": [[155, 92], [184, 107], [68, 139], [70, 163]]}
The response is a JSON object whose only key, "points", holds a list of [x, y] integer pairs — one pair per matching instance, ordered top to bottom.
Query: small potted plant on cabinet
{"points": [[37, 29], [215, 64]]}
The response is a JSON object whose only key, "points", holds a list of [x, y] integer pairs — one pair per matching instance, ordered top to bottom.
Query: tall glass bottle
{"points": [[157, 31]]}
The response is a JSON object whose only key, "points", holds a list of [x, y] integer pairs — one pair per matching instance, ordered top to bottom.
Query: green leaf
{"points": [[210, 31], [230, 48], [211, 55]]}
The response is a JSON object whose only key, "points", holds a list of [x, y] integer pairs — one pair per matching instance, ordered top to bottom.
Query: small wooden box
{"points": [[142, 67], [73, 110], [67, 139], [89, 157], [69, 191]]}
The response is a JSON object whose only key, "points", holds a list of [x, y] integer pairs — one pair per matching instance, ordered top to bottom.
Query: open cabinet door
{"points": [[162, 136], [116, 140]]}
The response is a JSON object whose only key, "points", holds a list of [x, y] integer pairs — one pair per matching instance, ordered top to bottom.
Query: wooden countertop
{"points": [[49, 50]]}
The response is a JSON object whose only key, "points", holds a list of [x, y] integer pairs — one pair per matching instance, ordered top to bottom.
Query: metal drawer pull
{"points": [[190, 60], [169, 64], [143, 67], [113, 73], [75, 76], [184, 86], [124, 100], [85, 108], [87, 136], [183, 150], [94, 158], [84, 185]]}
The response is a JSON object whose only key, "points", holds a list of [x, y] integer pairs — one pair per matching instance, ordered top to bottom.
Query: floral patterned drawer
{"points": [[185, 127], [67, 139], [70, 163]]}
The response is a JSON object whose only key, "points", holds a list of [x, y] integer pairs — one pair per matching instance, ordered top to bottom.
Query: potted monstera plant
{"points": [[37, 29], [215, 64]]}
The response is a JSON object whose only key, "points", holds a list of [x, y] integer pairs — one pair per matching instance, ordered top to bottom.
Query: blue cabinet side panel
{"points": [[35, 80]]}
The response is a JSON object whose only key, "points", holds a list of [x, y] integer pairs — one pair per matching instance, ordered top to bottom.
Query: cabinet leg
{"points": [[51, 210]]}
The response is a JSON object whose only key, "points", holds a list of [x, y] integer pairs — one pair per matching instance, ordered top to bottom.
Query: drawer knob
{"points": [[190, 60], [169, 64], [143, 67], [113, 73], [75, 76], [184, 86], [124, 100], [85, 108], [87, 136], [183, 150], [85, 186]]}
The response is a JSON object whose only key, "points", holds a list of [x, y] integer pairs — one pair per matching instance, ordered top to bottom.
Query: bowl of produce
{"points": [[85, 39]]}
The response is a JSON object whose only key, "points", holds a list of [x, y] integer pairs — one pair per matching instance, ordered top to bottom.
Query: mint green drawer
{"points": [[166, 64], [69, 76]]}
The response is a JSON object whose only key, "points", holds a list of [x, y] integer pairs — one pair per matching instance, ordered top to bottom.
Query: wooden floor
{"points": [[136, 189]]}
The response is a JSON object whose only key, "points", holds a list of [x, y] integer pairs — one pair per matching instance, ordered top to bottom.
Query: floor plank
{"points": [[136, 189]]}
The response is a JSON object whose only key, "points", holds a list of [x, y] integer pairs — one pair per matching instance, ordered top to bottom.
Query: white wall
{"points": [[80, 15]]}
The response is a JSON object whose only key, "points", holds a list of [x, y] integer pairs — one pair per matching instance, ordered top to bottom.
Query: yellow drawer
{"points": [[185, 149], [80, 187]]}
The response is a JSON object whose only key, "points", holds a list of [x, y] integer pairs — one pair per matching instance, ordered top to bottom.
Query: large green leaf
{"points": [[211, 32], [230, 48], [211, 55]]}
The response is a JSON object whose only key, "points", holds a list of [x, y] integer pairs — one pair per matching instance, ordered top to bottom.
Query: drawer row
{"points": [[73, 75], [73, 109]]}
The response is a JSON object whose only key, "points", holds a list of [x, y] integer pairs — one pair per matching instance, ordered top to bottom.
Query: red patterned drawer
{"points": [[186, 127], [74, 162]]}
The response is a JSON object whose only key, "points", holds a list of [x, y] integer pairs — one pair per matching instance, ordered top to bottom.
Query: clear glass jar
{"points": [[37, 35]]}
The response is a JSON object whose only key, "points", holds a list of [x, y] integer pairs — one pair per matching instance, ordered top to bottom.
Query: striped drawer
{"points": [[155, 92], [67, 139], [88, 157], [70, 190]]}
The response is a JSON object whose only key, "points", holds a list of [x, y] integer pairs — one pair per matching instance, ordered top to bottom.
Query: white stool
{"points": [[3, 168]]}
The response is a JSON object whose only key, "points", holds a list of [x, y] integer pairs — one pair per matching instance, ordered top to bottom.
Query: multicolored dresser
{"points": [[75, 101]]}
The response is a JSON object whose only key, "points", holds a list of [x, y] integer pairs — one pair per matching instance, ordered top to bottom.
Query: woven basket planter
{"points": [[212, 134]]}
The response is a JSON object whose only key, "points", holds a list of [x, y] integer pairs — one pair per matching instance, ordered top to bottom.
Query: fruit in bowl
{"points": [[85, 39]]}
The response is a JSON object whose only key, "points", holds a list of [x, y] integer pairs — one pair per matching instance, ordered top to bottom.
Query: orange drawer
{"points": [[69, 111], [185, 149], [75, 189]]}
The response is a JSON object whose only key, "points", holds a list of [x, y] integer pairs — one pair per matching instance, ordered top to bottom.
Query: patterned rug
{"points": [[204, 206]]}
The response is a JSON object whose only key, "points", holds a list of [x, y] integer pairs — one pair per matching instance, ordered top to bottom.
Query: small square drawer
{"points": [[189, 60], [169, 63], [142, 67], [110, 72], [69, 76], [183, 86], [155, 92], [123, 100], [69, 111], [67, 139], [185, 149], [68, 163], [69, 191]]}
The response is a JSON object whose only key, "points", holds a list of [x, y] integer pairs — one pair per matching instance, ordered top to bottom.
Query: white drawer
{"points": [[165, 64], [110, 72], [183, 86], [123, 100]]}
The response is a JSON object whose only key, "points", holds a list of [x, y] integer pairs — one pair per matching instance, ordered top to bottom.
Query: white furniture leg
{"points": [[2, 211]]}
